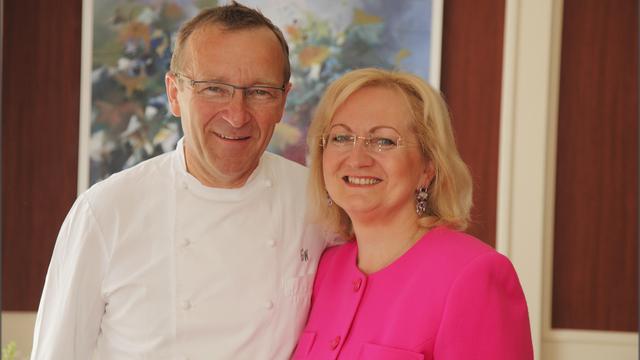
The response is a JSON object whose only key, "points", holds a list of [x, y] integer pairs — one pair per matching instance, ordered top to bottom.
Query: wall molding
{"points": [[435, 60], [528, 108], [507, 115], [84, 133], [18, 326], [592, 337], [589, 345]]}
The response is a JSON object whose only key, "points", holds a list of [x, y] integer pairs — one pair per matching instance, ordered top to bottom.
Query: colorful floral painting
{"points": [[130, 119]]}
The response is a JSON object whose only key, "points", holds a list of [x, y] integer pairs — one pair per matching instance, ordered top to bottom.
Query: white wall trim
{"points": [[435, 60], [507, 115], [525, 120], [84, 133], [551, 161], [17, 326], [593, 337], [589, 345]]}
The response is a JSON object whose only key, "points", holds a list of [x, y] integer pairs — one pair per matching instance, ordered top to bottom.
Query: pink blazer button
{"points": [[357, 284], [333, 344]]}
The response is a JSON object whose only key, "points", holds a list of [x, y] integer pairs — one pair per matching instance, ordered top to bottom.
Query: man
{"points": [[201, 253]]}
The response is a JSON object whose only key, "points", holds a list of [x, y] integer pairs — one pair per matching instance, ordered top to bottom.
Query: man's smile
{"points": [[231, 137]]}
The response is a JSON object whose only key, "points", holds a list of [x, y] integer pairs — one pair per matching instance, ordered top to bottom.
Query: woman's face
{"points": [[376, 178]]}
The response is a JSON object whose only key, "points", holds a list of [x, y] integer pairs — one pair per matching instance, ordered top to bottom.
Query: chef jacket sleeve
{"points": [[72, 305]]}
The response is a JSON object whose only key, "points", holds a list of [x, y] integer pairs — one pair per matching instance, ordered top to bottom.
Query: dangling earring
{"points": [[329, 200], [421, 200]]}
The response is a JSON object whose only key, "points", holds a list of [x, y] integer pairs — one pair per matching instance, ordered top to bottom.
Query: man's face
{"points": [[225, 140]]}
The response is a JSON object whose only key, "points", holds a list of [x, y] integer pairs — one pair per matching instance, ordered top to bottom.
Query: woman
{"points": [[386, 172]]}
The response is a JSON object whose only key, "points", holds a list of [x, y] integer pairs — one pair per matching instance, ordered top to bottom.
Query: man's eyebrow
{"points": [[225, 80]]}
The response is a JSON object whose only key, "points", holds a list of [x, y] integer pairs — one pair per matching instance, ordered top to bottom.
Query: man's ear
{"points": [[171, 85], [286, 90], [284, 99]]}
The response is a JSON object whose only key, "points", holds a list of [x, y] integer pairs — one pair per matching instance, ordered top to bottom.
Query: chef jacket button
{"points": [[268, 183], [184, 185], [186, 242], [271, 243], [357, 284], [185, 304], [268, 304], [333, 344]]}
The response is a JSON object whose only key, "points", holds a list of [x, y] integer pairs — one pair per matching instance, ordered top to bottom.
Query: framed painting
{"points": [[125, 117]]}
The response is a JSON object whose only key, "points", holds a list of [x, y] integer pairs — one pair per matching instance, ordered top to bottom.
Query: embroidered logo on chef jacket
{"points": [[304, 255]]}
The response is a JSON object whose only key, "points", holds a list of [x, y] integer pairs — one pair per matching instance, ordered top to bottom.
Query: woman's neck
{"points": [[380, 244]]}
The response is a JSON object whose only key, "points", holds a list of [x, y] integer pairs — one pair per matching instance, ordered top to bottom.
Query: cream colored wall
{"points": [[18, 327]]}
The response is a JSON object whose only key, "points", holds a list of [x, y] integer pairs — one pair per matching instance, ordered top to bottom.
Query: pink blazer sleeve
{"points": [[485, 316]]}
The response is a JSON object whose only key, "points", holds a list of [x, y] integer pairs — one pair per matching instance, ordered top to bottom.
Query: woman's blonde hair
{"points": [[450, 191]]}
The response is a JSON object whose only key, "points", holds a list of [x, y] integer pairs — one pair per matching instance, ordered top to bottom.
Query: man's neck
{"points": [[222, 181]]}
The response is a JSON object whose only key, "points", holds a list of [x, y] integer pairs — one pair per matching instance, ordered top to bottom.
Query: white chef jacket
{"points": [[151, 264]]}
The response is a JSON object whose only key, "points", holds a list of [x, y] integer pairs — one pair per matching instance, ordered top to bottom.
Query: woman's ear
{"points": [[428, 174]]}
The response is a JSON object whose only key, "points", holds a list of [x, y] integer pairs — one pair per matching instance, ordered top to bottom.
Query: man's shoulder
{"points": [[282, 164], [286, 172], [133, 181]]}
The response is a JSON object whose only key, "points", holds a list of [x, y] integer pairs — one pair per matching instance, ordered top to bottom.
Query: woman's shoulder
{"points": [[456, 243], [453, 250], [339, 253], [452, 259], [336, 261]]}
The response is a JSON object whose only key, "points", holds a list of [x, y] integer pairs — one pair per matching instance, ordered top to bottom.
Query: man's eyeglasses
{"points": [[219, 92], [342, 141]]}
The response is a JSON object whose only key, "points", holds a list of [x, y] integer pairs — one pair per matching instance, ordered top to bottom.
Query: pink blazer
{"points": [[449, 297]]}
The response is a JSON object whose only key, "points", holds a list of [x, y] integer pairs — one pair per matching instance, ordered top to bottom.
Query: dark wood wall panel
{"points": [[471, 79], [40, 110], [596, 213]]}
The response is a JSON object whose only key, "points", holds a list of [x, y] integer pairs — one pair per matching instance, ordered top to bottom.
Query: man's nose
{"points": [[238, 115]]}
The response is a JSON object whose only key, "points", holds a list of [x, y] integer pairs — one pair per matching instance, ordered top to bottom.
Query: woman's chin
{"points": [[361, 212]]}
